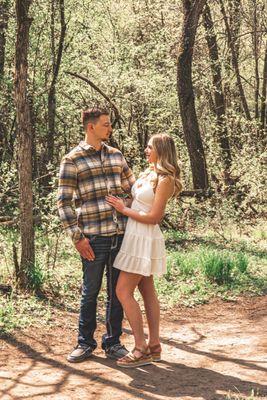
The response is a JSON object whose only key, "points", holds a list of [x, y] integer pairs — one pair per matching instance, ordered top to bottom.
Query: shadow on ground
{"points": [[166, 379]]}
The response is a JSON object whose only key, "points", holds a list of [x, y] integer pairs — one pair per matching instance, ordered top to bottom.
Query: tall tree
{"points": [[192, 10], [4, 13], [256, 50], [56, 61], [235, 63], [263, 96], [219, 100], [25, 143]]}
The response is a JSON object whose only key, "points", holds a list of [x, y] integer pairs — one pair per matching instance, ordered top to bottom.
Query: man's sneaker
{"points": [[116, 351], [80, 353]]}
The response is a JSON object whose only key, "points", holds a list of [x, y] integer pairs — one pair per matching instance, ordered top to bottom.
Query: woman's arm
{"points": [[164, 191]]}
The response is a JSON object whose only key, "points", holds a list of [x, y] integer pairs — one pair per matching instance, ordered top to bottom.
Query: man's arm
{"points": [[127, 177], [66, 189]]}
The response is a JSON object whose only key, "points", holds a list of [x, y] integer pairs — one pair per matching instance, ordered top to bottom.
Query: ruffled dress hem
{"points": [[140, 265]]}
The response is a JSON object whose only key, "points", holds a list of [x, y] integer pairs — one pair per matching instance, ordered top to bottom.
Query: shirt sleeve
{"points": [[127, 177], [66, 192]]}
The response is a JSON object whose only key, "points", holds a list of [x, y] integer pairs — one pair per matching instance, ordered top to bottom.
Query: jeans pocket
{"points": [[91, 238]]}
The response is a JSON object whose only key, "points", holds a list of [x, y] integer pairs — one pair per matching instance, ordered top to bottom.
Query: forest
{"points": [[195, 69]]}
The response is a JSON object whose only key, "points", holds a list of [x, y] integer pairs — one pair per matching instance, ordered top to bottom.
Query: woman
{"points": [[142, 253]]}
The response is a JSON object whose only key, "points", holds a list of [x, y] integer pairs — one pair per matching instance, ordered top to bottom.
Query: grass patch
{"points": [[200, 267], [221, 267], [196, 276], [18, 311]]}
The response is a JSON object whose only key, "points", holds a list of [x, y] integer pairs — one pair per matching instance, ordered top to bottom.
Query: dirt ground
{"points": [[209, 352]]}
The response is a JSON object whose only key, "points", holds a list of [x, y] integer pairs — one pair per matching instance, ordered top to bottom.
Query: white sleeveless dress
{"points": [[143, 247]]}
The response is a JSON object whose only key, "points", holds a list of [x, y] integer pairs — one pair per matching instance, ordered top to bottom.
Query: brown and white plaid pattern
{"points": [[86, 177]]}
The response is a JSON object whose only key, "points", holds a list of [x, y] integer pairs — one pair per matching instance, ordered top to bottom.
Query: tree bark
{"points": [[4, 8], [192, 11], [235, 18], [255, 40], [56, 61], [235, 64], [263, 97], [219, 100], [25, 143]]}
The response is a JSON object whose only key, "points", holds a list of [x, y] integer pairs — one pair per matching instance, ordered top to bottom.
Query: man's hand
{"points": [[85, 250]]}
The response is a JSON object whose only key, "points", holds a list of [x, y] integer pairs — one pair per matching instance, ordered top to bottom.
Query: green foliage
{"points": [[129, 50], [9, 190], [241, 262], [220, 266], [198, 268], [36, 277], [190, 279], [19, 311]]}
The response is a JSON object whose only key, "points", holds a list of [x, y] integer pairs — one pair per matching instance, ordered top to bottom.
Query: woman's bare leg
{"points": [[126, 285], [149, 294]]}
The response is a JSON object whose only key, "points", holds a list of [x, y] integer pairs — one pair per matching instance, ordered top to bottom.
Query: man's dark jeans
{"points": [[105, 248]]}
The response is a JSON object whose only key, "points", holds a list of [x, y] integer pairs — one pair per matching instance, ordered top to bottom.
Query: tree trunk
{"points": [[4, 8], [192, 11], [235, 18], [255, 40], [234, 54], [56, 60], [217, 82], [263, 97], [25, 143]]}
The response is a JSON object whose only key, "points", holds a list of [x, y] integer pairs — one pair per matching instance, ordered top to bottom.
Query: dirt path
{"points": [[209, 352]]}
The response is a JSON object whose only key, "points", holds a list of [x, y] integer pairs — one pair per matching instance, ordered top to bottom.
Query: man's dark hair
{"points": [[92, 115]]}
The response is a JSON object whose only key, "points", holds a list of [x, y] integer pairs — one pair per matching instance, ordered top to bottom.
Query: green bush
{"points": [[241, 262], [184, 263], [217, 266], [37, 277], [7, 320]]}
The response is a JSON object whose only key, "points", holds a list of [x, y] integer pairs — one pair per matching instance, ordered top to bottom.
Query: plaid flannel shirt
{"points": [[86, 177]]}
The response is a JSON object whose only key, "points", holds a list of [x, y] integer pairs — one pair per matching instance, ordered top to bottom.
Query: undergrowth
{"points": [[200, 266]]}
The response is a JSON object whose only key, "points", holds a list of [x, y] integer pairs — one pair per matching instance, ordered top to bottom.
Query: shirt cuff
{"points": [[77, 236]]}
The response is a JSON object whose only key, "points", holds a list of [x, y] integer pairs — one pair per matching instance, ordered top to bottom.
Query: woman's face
{"points": [[150, 153]]}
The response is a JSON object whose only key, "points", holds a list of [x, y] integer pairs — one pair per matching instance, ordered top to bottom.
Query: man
{"points": [[88, 173]]}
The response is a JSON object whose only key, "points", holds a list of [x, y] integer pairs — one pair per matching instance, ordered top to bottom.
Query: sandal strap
{"points": [[155, 348], [142, 351], [130, 358]]}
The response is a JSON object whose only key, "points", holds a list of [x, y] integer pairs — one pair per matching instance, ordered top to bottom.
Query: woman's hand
{"points": [[117, 203]]}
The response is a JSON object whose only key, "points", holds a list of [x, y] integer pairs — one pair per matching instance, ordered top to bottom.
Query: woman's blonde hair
{"points": [[167, 160]]}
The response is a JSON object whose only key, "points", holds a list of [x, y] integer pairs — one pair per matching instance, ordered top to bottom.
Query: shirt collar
{"points": [[91, 149]]}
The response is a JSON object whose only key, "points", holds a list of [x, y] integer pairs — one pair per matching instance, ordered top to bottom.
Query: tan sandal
{"points": [[155, 352], [131, 361]]}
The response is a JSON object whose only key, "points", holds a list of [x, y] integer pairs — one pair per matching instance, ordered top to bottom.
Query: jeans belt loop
{"points": [[114, 242]]}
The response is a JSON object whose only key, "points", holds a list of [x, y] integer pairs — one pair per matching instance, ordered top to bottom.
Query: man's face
{"points": [[102, 128]]}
